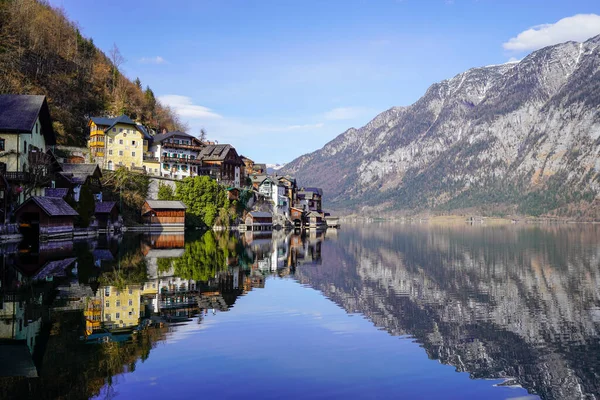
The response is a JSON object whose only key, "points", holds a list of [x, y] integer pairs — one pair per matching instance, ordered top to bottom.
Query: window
{"points": [[114, 129], [37, 130], [120, 130], [110, 140], [120, 141], [133, 142], [1, 144], [110, 152], [120, 152], [133, 154], [155, 170], [107, 291], [130, 291], [130, 302], [118, 303], [107, 304], [130, 313], [117, 315], [107, 317]]}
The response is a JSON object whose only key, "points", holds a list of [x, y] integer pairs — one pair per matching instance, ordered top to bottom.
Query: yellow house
{"points": [[25, 132], [118, 142], [120, 308]]}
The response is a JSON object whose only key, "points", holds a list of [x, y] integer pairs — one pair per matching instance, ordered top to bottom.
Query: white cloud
{"points": [[578, 28], [152, 60], [185, 107], [345, 113]]}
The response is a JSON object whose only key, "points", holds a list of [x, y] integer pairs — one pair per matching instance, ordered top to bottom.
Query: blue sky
{"points": [[281, 78]]}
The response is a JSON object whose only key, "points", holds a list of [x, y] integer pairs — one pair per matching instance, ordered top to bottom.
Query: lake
{"points": [[376, 310]]}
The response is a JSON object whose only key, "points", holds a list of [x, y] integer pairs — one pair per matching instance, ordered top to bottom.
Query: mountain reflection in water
{"points": [[520, 305]]}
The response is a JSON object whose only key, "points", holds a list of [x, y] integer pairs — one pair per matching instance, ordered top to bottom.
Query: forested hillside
{"points": [[42, 52]]}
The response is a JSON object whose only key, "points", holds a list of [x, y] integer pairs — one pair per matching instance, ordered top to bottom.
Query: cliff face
{"points": [[523, 134]]}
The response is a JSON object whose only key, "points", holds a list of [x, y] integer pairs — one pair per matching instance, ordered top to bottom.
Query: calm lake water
{"points": [[368, 311]]}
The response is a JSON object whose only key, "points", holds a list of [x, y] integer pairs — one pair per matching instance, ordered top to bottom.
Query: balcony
{"points": [[96, 143], [182, 146], [151, 159], [181, 160], [17, 176]]}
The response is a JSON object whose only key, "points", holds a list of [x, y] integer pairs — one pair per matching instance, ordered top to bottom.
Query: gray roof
{"points": [[18, 114], [121, 119], [103, 121], [162, 136], [216, 152], [260, 166], [87, 169], [257, 178], [319, 191], [56, 192], [166, 204], [53, 206], [104, 207], [261, 214], [55, 269]]}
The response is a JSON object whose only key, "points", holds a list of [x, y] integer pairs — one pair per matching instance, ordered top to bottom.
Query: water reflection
{"points": [[520, 304]]}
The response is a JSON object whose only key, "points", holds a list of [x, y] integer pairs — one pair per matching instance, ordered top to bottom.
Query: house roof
{"points": [[19, 113], [121, 119], [103, 121], [144, 131], [162, 136], [215, 152], [262, 167], [87, 169], [257, 178], [287, 178], [318, 191], [56, 192], [166, 205], [53, 206], [104, 207], [260, 214], [55, 269]]}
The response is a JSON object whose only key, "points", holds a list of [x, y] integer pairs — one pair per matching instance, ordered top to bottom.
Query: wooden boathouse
{"points": [[107, 215], [164, 215], [45, 217], [259, 221]]}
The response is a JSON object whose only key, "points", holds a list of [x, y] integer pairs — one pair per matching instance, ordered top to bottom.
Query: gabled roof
{"points": [[18, 114], [121, 119], [103, 121], [144, 131], [162, 136], [216, 152], [261, 167], [88, 169], [257, 178], [287, 178], [315, 190], [56, 192], [166, 205], [52, 206], [105, 207], [260, 214]]}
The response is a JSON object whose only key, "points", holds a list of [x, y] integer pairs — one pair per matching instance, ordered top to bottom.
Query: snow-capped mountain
{"points": [[522, 135]]}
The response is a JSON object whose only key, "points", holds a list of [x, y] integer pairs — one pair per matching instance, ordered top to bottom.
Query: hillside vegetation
{"points": [[42, 52]]}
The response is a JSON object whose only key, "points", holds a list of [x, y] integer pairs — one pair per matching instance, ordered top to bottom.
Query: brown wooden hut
{"points": [[164, 214], [45, 217], [259, 221]]}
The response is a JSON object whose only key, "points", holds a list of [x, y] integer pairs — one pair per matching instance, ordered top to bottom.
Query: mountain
{"points": [[43, 52], [520, 137], [273, 168]]}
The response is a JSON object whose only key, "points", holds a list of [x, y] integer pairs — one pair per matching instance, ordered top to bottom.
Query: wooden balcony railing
{"points": [[182, 146], [151, 159], [181, 160], [17, 176]]}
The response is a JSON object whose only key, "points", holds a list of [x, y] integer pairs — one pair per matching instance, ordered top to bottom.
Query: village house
{"points": [[25, 133], [118, 142], [174, 155], [221, 162], [248, 165], [259, 169], [74, 176], [290, 187], [273, 190], [310, 199], [107, 214], [164, 214], [45, 217], [120, 308]]}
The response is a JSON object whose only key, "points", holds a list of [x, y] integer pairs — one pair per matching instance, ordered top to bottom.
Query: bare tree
{"points": [[117, 60], [202, 135], [39, 172]]}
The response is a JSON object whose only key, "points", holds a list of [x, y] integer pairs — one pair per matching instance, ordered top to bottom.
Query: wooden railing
{"points": [[182, 146], [151, 159], [181, 160], [17, 176]]}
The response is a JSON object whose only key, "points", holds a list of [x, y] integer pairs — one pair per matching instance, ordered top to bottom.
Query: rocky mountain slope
{"points": [[519, 137]]}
